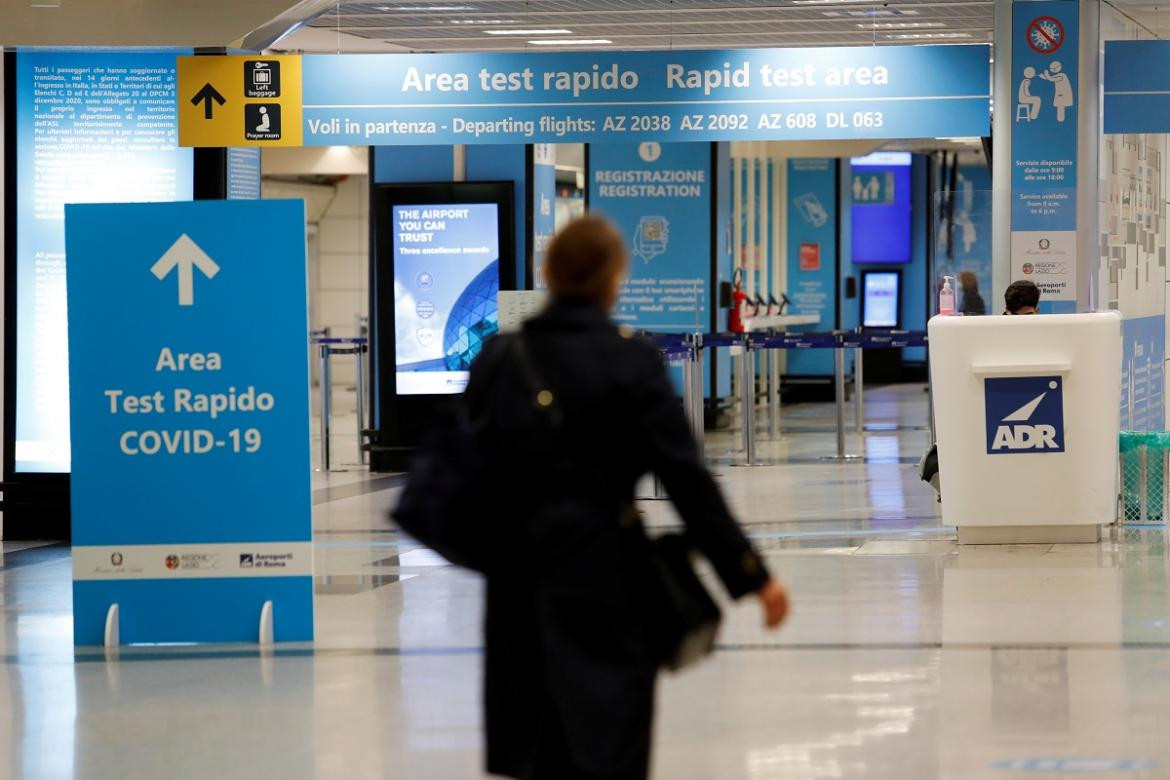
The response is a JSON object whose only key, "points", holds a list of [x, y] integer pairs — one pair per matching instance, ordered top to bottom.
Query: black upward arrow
{"points": [[205, 96]]}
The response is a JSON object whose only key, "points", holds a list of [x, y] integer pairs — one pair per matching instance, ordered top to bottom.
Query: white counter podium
{"points": [[1027, 411]]}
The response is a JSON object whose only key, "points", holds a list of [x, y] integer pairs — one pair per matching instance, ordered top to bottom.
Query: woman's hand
{"points": [[774, 600]]}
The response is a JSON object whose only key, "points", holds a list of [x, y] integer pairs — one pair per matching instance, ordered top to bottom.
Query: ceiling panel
{"points": [[468, 25]]}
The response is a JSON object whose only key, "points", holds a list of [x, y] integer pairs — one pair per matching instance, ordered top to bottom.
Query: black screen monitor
{"points": [[442, 252], [881, 299]]}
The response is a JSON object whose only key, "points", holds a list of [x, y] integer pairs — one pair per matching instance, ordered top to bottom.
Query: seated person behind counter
{"points": [[1022, 297]]}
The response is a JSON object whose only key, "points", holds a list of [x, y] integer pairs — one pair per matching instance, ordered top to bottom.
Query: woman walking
{"points": [[571, 662]]}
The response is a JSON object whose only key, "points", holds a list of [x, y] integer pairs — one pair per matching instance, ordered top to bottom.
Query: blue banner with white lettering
{"points": [[1137, 86], [611, 97], [90, 127], [1044, 147], [659, 196], [544, 197], [812, 255], [189, 408]]}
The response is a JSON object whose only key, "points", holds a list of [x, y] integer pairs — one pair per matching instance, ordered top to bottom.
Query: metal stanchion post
{"points": [[695, 357], [839, 371], [747, 378], [839, 380], [688, 382], [359, 383], [858, 391], [774, 393], [326, 404]]}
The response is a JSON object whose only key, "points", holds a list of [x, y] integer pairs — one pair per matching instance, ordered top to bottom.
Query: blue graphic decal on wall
{"points": [[615, 97], [544, 196], [659, 196], [812, 254], [1142, 386]]}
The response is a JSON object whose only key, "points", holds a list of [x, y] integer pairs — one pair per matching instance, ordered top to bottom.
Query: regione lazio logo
{"points": [[1024, 414]]}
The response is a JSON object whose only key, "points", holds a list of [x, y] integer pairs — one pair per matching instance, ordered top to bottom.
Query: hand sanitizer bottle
{"points": [[946, 297]]}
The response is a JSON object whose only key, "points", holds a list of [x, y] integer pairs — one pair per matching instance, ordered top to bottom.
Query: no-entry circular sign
{"points": [[1045, 34]]}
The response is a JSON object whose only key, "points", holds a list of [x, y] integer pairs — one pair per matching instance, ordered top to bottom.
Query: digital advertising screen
{"points": [[91, 127], [882, 201], [446, 292], [880, 303]]}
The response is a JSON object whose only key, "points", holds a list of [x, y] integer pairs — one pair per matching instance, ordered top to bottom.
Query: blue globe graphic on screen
{"points": [[474, 319]]}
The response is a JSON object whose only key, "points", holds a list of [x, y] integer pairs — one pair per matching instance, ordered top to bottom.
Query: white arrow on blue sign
{"points": [[185, 255]]}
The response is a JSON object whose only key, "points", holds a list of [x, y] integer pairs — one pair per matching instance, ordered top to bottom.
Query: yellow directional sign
{"points": [[250, 100]]}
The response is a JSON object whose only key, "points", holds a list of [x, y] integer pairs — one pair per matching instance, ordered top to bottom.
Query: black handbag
{"points": [[446, 481], [684, 619]]}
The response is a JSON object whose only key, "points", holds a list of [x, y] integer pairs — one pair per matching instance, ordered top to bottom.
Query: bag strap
{"points": [[542, 393]]}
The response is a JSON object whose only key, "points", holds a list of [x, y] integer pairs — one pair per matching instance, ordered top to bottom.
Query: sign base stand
{"points": [[112, 624], [266, 624]]}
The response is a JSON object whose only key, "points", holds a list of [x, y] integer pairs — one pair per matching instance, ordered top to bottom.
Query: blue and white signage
{"points": [[1137, 86], [613, 97], [1044, 147], [659, 196], [544, 197], [812, 254], [189, 407], [1024, 414]]}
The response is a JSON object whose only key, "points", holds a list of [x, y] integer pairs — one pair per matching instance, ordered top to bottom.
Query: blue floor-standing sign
{"points": [[188, 373]]}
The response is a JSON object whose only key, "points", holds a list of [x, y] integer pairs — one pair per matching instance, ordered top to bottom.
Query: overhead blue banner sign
{"points": [[1137, 86], [612, 97], [1044, 148], [659, 196], [189, 407]]}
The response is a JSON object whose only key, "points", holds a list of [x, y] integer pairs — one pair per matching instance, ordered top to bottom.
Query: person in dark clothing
{"points": [[1022, 297], [973, 304], [569, 670]]}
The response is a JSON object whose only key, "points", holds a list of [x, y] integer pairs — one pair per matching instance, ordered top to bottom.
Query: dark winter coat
{"points": [[569, 670]]}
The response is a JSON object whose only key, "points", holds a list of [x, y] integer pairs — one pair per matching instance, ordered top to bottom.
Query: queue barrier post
{"points": [[359, 348], [747, 379], [360, 383], [696, 385], [839, 387], [859, 390], [773, 393], [326, 405]]}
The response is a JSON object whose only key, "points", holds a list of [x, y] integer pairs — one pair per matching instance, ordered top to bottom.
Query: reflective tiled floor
{"points": [[907, 656]]}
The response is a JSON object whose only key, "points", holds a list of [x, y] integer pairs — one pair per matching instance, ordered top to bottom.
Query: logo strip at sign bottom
{"points": [[193, 561]]}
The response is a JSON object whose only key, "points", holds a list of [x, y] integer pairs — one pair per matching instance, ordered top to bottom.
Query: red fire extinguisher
{"points": [[738, 301]]}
